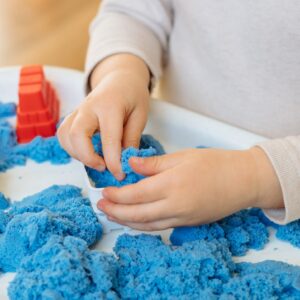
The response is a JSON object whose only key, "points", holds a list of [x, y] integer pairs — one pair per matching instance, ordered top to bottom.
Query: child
{"points": [[236, 61]]}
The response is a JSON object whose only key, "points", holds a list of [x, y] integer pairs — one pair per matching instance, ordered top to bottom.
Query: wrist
{"points": [[128, 64], [243, 179], [268, 189]]}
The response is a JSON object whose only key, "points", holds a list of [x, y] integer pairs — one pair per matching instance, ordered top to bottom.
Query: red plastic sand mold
{"points": [[38, 109]]}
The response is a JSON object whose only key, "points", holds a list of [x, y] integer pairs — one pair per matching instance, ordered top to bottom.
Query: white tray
{"points": [[174, 127], [95, 194]]}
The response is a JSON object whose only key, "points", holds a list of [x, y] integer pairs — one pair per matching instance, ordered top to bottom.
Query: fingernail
{"points": [[138, 160], [101, 168], [120, 176], [104, 193], [100, 205], [111, 218]]}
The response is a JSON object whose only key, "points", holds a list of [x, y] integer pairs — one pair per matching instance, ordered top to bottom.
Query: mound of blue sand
{"points": [[7, 109], [7, 137], [8, 141], [148, 141], [149, 147], [39, 149], [43, 149], [105, 178], [49, 197], [4, 202], [4, 219], [28, 225], [247, 229], [243, 230], [290, 233], [64, 268], [148, 268], [264, 280]]}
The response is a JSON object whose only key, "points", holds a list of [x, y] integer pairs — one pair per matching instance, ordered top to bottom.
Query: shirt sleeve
{"points": [[137, 27], [284, 155]]}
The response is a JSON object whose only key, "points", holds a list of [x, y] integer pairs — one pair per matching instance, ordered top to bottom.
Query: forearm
{"points": [[140, 28], [127, 64]]}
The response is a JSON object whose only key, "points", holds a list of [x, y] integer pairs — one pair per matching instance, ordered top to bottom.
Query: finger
{"points": [[111, 128], [134, 128], [82, 129], [63, 134], [153, 165], [147, 190], [137, 213], [150, 226]]}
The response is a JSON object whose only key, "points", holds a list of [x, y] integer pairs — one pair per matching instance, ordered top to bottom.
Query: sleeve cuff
{"points": [[117, 33], [284, 155]]}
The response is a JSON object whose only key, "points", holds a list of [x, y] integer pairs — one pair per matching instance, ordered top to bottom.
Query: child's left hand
{"points": [[193, 187]]}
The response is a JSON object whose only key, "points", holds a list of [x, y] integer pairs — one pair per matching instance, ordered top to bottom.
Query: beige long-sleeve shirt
{"points": [[236, 61]]}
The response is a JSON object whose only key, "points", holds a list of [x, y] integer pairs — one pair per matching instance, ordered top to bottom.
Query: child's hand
{"points": [[117, 106], [193, 187]]}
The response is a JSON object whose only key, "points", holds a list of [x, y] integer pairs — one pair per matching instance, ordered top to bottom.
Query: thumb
{"points": [[153, 165]]}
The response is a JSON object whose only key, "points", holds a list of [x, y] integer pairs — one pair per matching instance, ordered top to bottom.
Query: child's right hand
{"points": [[117, 107]]}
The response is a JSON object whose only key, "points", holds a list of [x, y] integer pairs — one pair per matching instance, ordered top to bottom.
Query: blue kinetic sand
{"points": [[7, 109], [7, 137], [8, 141], [148, 141], [149, 147], [39, 149], [43, 149], [105, 178], [49, 197], [4, 202], [58, 210], [4, 219], [243, 231], [290, 233], [65, 268], [146, 268], [149, 269], [264, 280]]}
